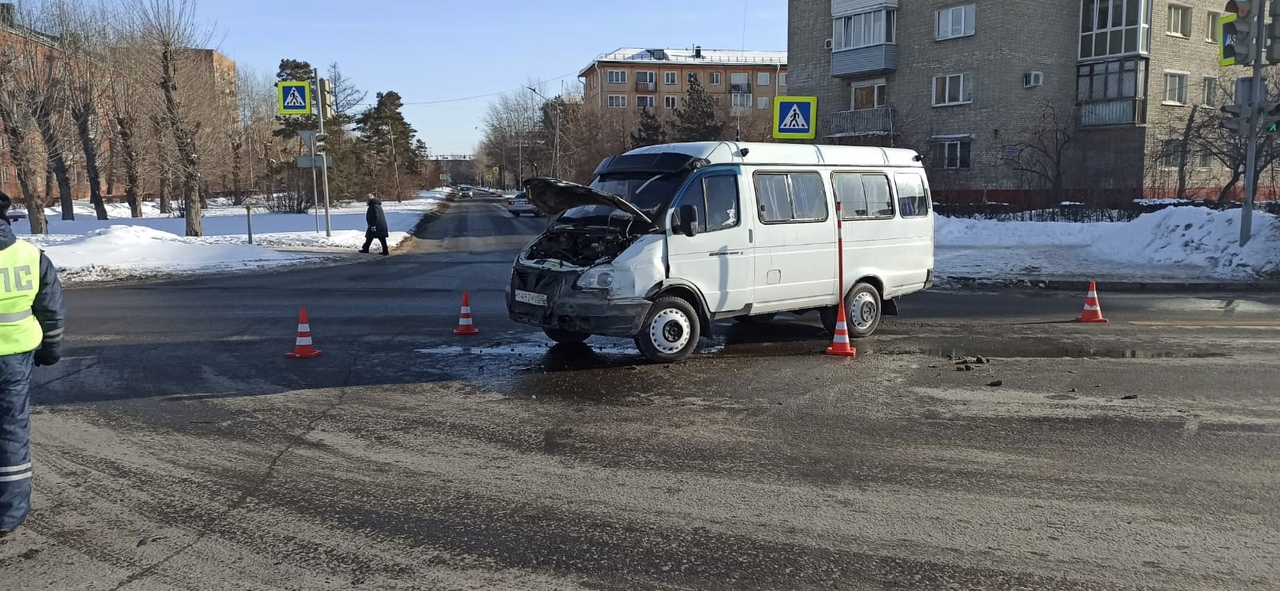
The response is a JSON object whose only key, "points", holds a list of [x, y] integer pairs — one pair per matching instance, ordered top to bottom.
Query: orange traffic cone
{"points": [[1092, 310], [465, 327], [840, 344], [303, 349]]}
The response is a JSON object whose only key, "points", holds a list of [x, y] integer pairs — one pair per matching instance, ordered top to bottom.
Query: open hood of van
{"points": [[554, 196]]}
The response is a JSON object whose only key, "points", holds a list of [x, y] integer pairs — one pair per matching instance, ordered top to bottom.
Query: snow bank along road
{"points": [[176, 447]]}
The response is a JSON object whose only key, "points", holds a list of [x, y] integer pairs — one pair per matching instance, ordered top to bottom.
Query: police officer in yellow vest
{"points": [[31, 316]]}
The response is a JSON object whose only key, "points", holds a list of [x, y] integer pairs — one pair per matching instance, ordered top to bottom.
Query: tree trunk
{"points": [[82, 116], [124, 126], [16, 137], [185, 142], [1184, 147], [57, 161], [111, 167], [48, 186], [1227, 189]]}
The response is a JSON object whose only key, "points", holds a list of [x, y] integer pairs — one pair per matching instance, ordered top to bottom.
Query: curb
{"points": [[963, 283]]}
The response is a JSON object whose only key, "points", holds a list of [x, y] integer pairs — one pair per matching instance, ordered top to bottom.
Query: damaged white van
{"points": [[668, 239]]}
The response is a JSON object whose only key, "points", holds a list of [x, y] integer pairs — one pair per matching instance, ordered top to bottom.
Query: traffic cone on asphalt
{"points": [[1092, 310], [465, 327], [840, 344], [303, 348]]}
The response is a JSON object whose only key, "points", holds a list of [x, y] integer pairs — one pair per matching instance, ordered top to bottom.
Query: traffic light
{"points": [[1273, 33], [1239, 34], [325, 96], [1268, 116], [1237, 119], [319, 147]]}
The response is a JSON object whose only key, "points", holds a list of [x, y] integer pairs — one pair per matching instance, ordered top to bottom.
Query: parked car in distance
{"points": [[464, 191], [520, 205], [16, 215]]}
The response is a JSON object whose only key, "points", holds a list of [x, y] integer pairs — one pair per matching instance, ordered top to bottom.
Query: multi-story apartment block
{"points": [[658, 79], [1009, 98]]}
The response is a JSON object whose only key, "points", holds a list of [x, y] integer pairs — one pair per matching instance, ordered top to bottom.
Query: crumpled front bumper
{"points": [[570, 309]]}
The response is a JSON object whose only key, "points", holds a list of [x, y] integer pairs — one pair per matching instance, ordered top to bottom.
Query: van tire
{"points": [[864, 309], [757, 319], [670, 332], [566, 337]]}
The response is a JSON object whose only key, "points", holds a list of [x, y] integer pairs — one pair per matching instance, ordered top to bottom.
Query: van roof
{"points": [[789, 154]]}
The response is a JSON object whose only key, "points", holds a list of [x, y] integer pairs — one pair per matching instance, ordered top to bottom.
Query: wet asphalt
{"points": [[982, 440]]}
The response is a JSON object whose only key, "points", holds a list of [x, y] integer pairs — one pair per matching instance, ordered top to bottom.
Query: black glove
{"points": [[47, 356]]}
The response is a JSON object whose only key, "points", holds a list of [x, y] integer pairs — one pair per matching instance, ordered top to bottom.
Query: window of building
{"points": [[1179, 21], [955, 22], [1114, 27], [864, 30], [1211, 34], [617, 76], [648, 77], [693, 77], [669, 78], [715, 78], [762, 79], [782, 79], [1108, 81], [739, 82], [1175, 88], [953, 89], [868, 95], [1210, 98], [740, 100], [617, 101], [644, 102], [669, 102], [762, 103], [952, 153], [1170, 153], [1206, 159], [863, 195], [791, 197], [913, 198], [716, 199]]}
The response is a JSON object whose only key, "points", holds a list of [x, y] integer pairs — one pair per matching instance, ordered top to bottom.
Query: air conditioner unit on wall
{"points": [[828, 44], [1032, 79]]}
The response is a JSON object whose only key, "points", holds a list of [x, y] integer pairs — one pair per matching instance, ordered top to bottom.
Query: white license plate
{"points": [[528, 297]]}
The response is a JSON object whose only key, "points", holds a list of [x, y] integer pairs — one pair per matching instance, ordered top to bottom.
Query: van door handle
{"points": [[751, 236]]}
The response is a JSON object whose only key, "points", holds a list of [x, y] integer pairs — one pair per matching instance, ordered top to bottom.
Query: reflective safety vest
{"points": [[20, 332]]}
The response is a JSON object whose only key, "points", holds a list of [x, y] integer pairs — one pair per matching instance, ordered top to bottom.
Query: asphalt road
{"points": [[176, 446]]}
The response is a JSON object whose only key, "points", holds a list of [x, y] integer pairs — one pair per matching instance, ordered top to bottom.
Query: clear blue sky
{"points": [[437, 50]]}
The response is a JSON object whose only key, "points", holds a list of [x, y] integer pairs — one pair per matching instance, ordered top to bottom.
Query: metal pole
{"points": [[1255, 114], [324, 169], [315, 187], [248, 216]]}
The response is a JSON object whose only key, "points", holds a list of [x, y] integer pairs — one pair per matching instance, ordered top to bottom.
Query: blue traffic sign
{"points": [[793, 117]]}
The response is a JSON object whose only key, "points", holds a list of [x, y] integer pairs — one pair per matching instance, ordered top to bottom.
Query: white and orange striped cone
{"points": [[1092, 309], [465, 327], [840, 344], [303, 348]]}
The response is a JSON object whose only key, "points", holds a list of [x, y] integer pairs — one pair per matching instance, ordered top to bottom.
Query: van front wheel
{"points": [[863, 309], [670, 332]]}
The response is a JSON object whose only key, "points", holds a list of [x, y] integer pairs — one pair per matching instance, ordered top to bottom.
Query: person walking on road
{"points": [[377, 221], [31, 317]]}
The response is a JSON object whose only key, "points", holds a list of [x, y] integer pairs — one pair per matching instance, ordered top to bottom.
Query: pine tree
{"points": [[698, 120], [648, 132], [389, 138]]}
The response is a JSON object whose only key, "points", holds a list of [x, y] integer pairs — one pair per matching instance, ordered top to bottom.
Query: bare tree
{"points": [[167, 30], [82, 44], [346, 96], [131, 103], [17, 128], [1046, 150]]}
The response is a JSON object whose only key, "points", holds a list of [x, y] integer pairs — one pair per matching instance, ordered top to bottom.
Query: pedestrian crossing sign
{"points": [[294, 97], [793, 117]]}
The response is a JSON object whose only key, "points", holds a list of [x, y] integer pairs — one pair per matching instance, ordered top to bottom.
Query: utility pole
{"points": [[323, 109], [555, 143], [395, 162]]}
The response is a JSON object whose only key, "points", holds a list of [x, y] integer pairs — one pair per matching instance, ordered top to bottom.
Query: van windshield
{"points": [[651, 193]]}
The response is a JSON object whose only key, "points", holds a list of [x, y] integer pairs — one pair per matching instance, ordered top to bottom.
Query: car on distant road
{"points": [[464, 191], [519, 204], [16, 216]]}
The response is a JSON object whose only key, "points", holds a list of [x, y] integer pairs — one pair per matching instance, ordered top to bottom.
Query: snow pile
{"points": [[975, 232], [1196, 236], [118, 252]]}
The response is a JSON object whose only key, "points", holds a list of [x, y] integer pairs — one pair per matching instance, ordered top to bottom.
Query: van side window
{"points": [[863, 195], [791, 197], [716, 199], [913, 199]]}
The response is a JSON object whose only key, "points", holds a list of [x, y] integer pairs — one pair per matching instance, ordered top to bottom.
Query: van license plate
{"points": [[528, 297]]}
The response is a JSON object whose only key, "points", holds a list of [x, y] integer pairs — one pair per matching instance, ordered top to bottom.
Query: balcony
{"points": [[875, 59], [646, 86], [744, 88], [1128, 111], [859, 123]]}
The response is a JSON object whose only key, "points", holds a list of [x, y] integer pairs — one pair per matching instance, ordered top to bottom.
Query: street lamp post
{"points": [[555, 143]]}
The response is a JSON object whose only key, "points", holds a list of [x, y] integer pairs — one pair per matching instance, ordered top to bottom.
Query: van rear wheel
{"points": [[863, 310], [670, 332]]}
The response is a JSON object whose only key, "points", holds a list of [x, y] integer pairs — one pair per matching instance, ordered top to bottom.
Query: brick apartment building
{"points": [[658, 79], [972, 84]]}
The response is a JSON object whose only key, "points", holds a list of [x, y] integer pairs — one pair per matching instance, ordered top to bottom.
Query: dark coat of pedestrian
{"points": [[377, 222], [31, 319]]}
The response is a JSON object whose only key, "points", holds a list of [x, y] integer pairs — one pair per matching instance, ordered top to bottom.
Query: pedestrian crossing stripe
{"points": [[293, 97], [793, 117]]}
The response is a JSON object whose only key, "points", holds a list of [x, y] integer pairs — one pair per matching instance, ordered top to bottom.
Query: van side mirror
{"points": [[688, 222]]}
